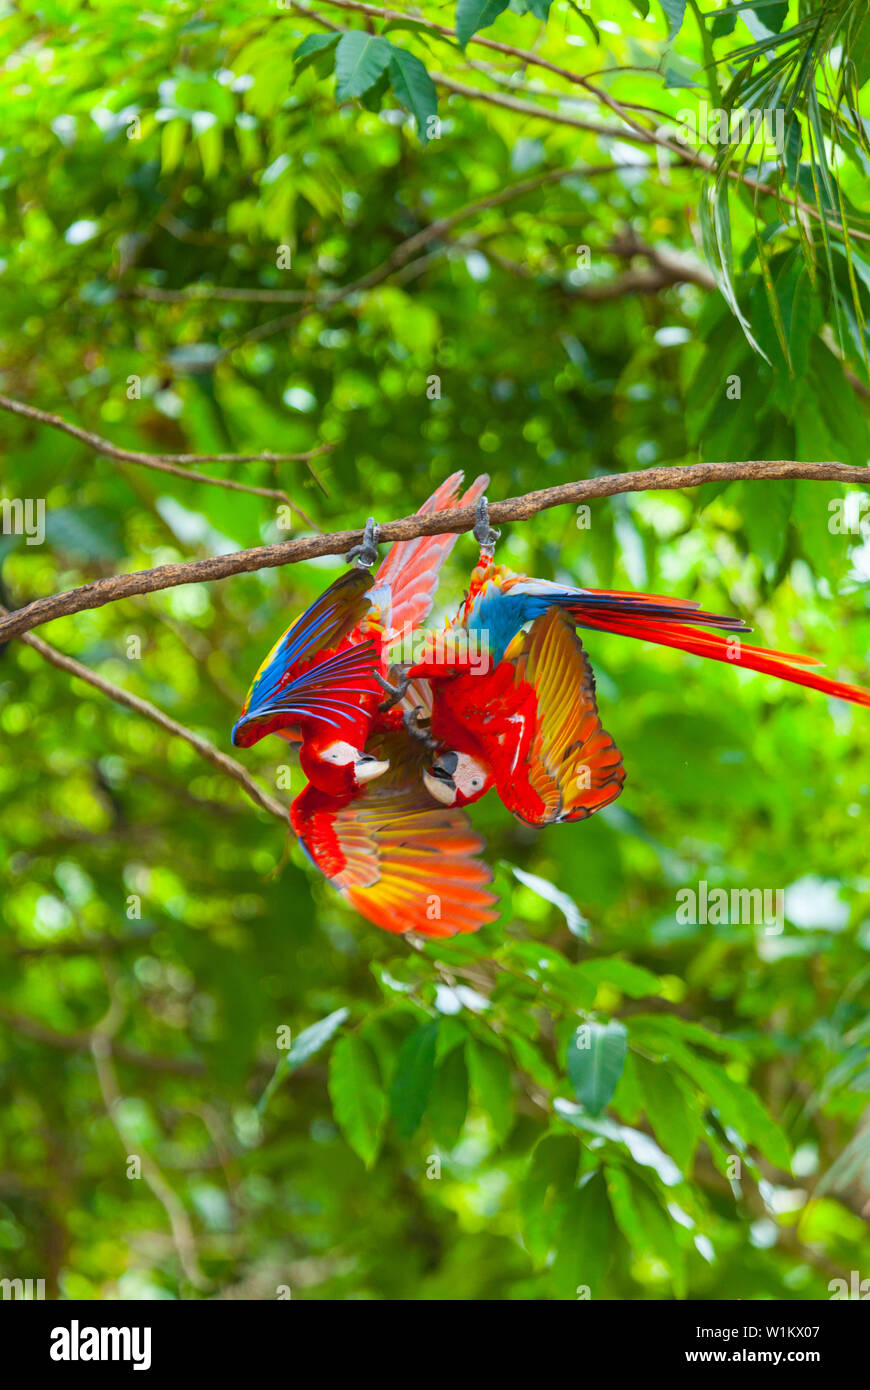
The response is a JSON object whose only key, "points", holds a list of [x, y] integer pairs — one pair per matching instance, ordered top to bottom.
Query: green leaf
{"points": [[675, 13], [472, 15], [722, 25], [311, 48], [857, 48], [359, 61], [414, 88], [373, 99], [172, 142], [210, 144], [792, 150], [766, 508], [92, 532], [575, 921], [622, 975], [663, 1031], [309, 1041], [596, 1054], [529, 1058], [490, 1076], [412, 1082], [627, 1099], [358, 1100], [448, 1102], [738, 1106], [676, 1124], [545, 1190], [644, 1223], [584, 1240]]}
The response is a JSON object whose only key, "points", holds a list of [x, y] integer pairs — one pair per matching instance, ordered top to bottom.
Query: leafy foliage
{"points": [[224, 231]]}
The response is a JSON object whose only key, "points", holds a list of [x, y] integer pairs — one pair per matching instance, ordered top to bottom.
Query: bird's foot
{"points": [[485, 535], [366, 553], [395, 692], [412, 726]]}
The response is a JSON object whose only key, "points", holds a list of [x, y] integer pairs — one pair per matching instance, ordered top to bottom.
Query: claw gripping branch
{"points": [[366, 553]]}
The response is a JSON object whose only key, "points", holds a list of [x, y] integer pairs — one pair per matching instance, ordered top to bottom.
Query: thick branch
{"points": [[456, 520]]}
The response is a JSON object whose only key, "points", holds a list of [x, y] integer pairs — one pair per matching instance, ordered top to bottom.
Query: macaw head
{"points": [[337, 767], [457, 779]]}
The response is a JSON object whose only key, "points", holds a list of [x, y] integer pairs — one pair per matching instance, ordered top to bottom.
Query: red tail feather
{"points": [[787, 666]]}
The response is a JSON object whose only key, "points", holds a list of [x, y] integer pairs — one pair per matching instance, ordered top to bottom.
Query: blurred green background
{"points": [[160, 935]]}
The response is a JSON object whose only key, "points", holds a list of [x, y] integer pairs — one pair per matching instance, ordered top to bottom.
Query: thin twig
{"points": [[530, 108], [635, 131], [409, 248], [199, 292], [169, 463], [454, 520], [206, 750], [102, 1040], [80, 1042]]}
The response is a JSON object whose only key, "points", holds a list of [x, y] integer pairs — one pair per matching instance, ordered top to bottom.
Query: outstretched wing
{"points": [[411, 568], [304, 676], [338, 692], [551, 758], [403, 862]]}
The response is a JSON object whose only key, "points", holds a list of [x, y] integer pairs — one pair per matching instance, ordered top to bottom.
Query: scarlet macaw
{"points": [[321, 676], [529, 727], [481, 746], [404, 862]]}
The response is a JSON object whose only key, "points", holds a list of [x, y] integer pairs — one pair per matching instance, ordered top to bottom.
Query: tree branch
{"points": [[530, 108], [635, 132], [407, 249], [311, 301], [169, 463], [453, 520], [206, 750], [81, 1042], [101, 1043]]}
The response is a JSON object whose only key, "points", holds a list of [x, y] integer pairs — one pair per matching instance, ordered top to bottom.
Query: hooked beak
{"points": [[245, 732], [367, 768], [440, 784]]}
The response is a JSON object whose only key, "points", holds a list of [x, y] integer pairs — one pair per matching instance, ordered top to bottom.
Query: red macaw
{"points": [[483, 650], [325, 675], [529, 727], [401, 860]]}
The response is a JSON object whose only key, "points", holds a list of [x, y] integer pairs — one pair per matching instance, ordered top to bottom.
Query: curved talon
{"points": [[485, 535], [366, 553], [396, 692], [413, 728]]}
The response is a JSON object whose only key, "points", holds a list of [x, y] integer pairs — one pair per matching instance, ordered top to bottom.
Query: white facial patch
{"points": [[341, 754], [470, 775]]}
